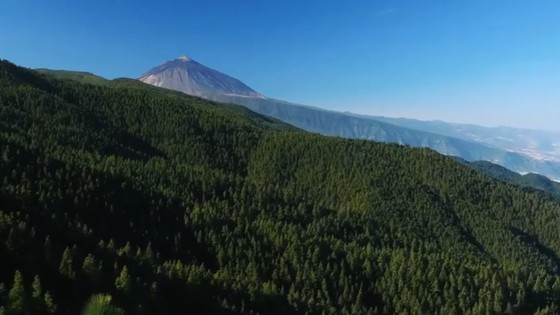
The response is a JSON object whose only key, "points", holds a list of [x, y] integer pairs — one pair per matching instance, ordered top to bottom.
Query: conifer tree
{"points": [[66, 263], [91, 267], [123, 282], [37, 294], [17, 299], [50, 304]]}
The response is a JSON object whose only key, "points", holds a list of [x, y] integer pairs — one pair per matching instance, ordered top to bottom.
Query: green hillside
{"points": [[80, 76], [382, 129], [527, 180], [126, 197]]}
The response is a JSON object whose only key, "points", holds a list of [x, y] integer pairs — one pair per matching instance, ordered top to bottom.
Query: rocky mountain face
{"points": [[188, 76], [509, 147]]}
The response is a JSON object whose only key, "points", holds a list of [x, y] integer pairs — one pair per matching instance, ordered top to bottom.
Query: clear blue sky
{"points": [[488, 62]]}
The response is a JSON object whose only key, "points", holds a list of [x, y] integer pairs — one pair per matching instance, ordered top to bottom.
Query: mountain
{"points": [[189, 76], [446, 140], [128, 196]]}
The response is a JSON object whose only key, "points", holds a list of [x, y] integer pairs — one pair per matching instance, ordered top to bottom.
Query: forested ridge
{"points": [[532, 180], [169, 204]]}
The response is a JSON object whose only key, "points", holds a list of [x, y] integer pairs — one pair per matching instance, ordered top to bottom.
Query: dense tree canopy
{"points": [[527, 180], [165, 203]]}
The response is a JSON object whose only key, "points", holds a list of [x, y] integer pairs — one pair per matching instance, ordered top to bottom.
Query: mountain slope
{"points": [[172, 74], [84, 77], [191, 77], [528, 180], [170, 203]]}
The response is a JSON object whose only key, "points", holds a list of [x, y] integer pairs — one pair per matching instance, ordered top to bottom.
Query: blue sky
{"points": [[487, 62]]}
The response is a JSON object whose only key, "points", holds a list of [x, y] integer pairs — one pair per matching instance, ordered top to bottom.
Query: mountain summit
{"points": [[186, 75]]}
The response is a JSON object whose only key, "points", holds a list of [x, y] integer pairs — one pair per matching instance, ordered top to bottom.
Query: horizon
{"points": [[476, 63]]}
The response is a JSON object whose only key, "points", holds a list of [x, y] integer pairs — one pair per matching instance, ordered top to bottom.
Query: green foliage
{"points": [[84, 77], [528, 180], [171, 204], [66, 263], [91, 267], [122, 283], [37, 291], [17, 297], [37, 297], [50, 305], [101, 305]]}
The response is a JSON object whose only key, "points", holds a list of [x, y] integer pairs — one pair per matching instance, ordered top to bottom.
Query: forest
{"points": [[527, 180], [121, 198]]}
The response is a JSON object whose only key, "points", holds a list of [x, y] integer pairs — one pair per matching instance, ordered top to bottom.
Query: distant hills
{"points": [[538, 144], [523, 151]]}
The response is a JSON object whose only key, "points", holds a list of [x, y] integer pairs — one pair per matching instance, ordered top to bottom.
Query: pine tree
{"points": [[149, 254], [66, 263], [91, 267], [123, 283], [36, 289], [37, 294], [17, 301], [49, 303]]}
